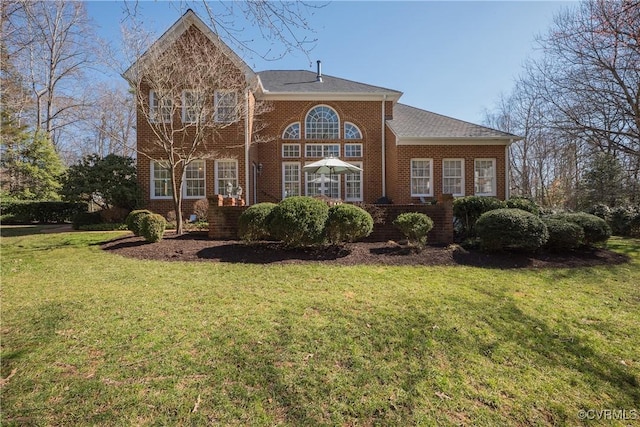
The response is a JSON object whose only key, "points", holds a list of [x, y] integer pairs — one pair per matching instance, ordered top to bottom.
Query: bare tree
{"points": [[51, 43], [590, 73], [188, 90]]}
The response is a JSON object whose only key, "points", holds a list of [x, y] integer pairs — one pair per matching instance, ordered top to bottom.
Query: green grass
{"points": [[90, 338]]}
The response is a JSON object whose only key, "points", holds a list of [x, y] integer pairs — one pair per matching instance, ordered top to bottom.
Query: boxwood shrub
{"points": [[523, 203], [468, 209], [28, 211], [134, 220], [299, 221], [253, 223], [347, 223], [415, 226], [152, 227], [505, 229], [596, 230], [563, 235]]}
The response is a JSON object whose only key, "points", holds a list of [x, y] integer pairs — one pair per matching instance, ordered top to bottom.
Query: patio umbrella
{"points": [[330, 165], [322, 180]]}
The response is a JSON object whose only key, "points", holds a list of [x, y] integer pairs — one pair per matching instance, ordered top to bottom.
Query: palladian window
{"points": [[322, 122]]}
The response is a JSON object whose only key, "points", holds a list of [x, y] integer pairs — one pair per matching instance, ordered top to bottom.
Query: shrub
{"points": [[523, 203], [201, 209], [468, 209], [601, 210], [41, 211], [114, 215], [171, 216], [84, 219], [621, 219], [134, 220], [299, 221], [253, 223], [347, 223], [110, 226], [153, 226], [415, 226], [502, 229], [596, 230], [563, 235]]}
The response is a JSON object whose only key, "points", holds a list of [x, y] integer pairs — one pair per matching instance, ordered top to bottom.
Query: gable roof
{"points": [[178, 29], [304, 84], [410, 123]]}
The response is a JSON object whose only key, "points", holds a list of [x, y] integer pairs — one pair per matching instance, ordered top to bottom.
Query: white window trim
{"points": [[216, 96], [156, 112], [287, 128], [306, 131], [345, 133], [323, 145], [346, 155], [291, 157], [215, 173], [299, 177], [494, 179], [184, 181], [462, 184], [152, 187], [430, 194], [355, 199]]}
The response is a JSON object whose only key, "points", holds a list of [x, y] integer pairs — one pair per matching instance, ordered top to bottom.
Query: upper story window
{"points": [[192, 103], [226, 103], [160, 109], [322, 122], [292, 131], [351, 131], [290, 150], [353, 150]]}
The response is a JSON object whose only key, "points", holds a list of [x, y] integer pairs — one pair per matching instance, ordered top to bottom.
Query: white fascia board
{"points": [[326, 96], [455, 141]]}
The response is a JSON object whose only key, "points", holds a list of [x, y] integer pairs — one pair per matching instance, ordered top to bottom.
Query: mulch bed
{"points": [[198, 247]]}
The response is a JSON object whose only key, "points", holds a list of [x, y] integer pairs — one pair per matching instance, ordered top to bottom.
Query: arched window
{"points": [[322, 122], [292, 131], [351, 131]]}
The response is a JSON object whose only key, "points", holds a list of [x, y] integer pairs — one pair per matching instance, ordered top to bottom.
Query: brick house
{"points": [[407, 155]]}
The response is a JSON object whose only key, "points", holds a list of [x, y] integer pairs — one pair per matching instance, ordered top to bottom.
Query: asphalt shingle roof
{"points": [[301, 81], [411, 122]]}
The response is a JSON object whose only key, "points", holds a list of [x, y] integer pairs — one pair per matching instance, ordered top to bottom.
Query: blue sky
{"points": [[454, 58]]}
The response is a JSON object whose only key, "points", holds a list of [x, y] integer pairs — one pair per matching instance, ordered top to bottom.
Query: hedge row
{"points": [[23, 212]]}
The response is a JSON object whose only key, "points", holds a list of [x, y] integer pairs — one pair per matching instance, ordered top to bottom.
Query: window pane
{"points": [[226, 106], [322, 123], [351, 131], [292, 132], [290, 150], [353, 150], [227, 173], [420, 177], [452, 177], [484, 177], [195, 179], [291, 179], [161, 181], [321, 184], [353, 185]]}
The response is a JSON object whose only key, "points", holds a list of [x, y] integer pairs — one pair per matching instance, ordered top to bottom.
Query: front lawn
{"points": [[92, 338]]}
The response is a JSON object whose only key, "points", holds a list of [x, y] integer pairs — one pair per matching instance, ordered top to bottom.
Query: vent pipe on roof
{"points": [[319, 75]]}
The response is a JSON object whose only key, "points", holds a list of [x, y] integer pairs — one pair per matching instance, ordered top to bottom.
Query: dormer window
{"points": [[322, 122]]}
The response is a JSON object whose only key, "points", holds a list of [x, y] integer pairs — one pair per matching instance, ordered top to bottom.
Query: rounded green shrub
{"points": [[523, 203], [468, 209], [601, 210], [621, 219], [134, 220], [299, 221], [253, 223], [347, 223], [415, 226], [153, 227], [504, 229], [596, 230], [563, 235]]}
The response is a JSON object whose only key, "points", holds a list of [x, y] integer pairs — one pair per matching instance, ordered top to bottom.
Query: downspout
{"points": [[247, 142], [384, 153], [507, 171]]}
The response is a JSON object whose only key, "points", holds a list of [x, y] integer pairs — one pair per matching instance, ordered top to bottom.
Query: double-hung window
{"points": [[192, 103], [226, 103], [160, 108], [226, 173], [421, 177], [453, 177], [485, 177], [194, 179], [290, 179], [353, 185], [161, 186]]}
